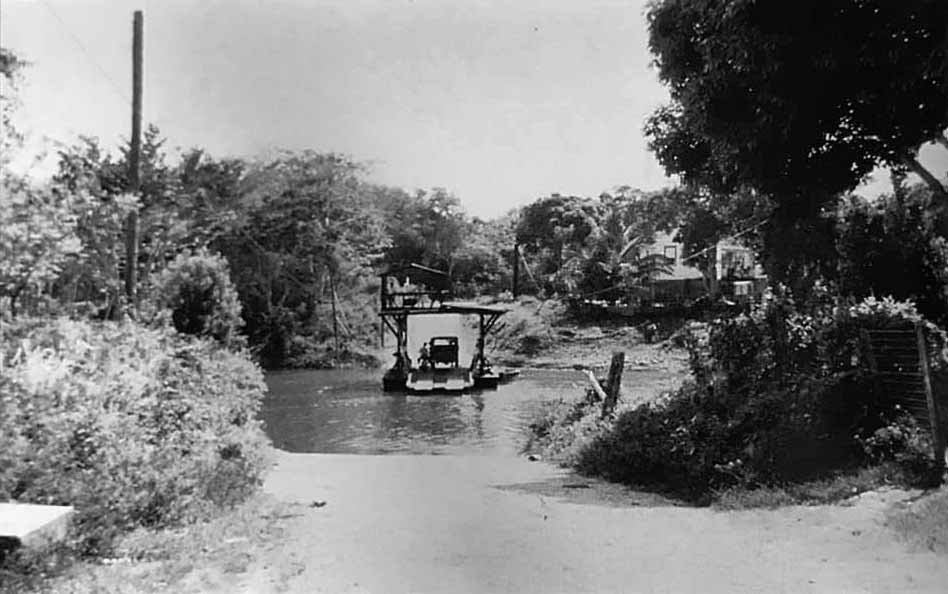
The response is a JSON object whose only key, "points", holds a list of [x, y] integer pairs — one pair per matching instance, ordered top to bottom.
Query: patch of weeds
{"points": [[562, 428], [849, 484], [828, 490], [735, 498], [924, 522], [167, 559]]}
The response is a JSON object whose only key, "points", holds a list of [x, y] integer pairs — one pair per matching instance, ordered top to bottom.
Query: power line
{"points": [[82, 48], [117, 88], [731, 237]]}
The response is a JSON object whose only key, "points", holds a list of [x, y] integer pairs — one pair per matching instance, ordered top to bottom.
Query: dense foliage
{"points": [[797, 102], [743, 109], [897, 232], [304, 236], [596, 248], [197, 292], [782, 393], [130, 425]]}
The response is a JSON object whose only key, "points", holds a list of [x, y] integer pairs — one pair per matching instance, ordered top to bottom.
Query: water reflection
{"points": [[347, 412]]}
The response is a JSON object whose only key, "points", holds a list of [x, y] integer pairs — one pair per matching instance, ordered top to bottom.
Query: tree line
{"points": [[771, 125]]}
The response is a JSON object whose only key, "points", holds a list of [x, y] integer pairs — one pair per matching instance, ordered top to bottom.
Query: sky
{"points": [[500, 102]]}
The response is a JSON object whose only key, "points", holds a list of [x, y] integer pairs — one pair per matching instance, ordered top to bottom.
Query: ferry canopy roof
{"points": [[411, 267], [445, 308]]}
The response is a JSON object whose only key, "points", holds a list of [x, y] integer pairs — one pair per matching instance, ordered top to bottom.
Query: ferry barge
{"points": [[442, 371]]}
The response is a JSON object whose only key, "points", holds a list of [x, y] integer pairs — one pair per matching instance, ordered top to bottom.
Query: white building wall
{"points": [[665, 244]]}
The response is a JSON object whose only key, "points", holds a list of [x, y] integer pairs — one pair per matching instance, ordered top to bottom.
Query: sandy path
{"points": [[397, 524]]}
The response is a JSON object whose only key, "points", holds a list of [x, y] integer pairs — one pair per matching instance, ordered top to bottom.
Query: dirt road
{"points": [[400, 524]]}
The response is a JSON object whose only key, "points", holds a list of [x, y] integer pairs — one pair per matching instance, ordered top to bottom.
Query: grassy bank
{"points": [[545, 334], [306, 355], [776, 410], [135, 427], [572, 434], [923, 522], [221, 553]]}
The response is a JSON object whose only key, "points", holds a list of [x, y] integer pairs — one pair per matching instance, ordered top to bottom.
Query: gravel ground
{"points": [[394, 524]]}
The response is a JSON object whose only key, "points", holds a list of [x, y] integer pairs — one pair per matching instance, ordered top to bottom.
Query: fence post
{"points": [[867, 346], [613, 383], [934, 414]]}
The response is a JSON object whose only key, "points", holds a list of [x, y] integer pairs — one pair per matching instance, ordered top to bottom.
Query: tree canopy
{"points": [[798, 100]]}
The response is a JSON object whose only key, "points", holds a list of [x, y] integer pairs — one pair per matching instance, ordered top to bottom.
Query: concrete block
{"points": [[29, 525]]}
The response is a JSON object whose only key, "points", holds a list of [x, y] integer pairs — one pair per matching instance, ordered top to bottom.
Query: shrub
{"points": [[894, 232], [197, 292], [528, 328], [306, 352], [782, 393], [132, 426], [560, 429], [903, 441], [923, 522]]}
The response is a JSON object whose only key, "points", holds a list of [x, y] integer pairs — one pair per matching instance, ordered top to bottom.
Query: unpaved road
{"points": [[405, 524]]}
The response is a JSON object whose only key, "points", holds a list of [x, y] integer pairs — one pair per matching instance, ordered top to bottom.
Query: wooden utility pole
{"points": [[134, 162]]}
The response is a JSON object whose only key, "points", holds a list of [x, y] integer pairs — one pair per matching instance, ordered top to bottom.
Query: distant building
{"points": [[665, 244], [735, 261], [736, 272], [684, 282]]}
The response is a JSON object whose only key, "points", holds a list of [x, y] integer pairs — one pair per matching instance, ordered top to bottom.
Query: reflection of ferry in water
{"points": [[427, 292]]}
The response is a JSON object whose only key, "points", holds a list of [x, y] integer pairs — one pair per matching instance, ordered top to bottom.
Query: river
{"points": [[345, 411]]}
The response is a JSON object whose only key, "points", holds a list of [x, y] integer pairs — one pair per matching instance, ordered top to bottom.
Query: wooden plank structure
{"points": [[898, 357], [608, 395]]}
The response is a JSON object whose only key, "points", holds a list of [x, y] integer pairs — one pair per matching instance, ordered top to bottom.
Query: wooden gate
{"points": [[898, 357]]}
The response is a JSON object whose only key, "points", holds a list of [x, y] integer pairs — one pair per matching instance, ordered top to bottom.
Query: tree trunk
{"points": [[926, 176], [515, 288], [13, 298], [335, 322]]}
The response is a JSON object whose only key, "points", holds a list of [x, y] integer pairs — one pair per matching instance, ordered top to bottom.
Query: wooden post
{"points": [[134, 161], [526, 267], [867, 345], [613, 383], [934, 412]]}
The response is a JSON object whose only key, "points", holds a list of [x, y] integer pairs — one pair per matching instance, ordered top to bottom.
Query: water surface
{"points": [[345, 411]]}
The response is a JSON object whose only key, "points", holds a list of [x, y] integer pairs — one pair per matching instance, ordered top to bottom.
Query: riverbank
{"points": [[533, 334], [541, 335], [327, 357], [339, 523]]}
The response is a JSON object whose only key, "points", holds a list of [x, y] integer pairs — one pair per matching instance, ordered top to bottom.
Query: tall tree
{"points": [[10, 67], [798, 100], [427, 227], [550, 229], [895, 232], [304, 242], [483, 263]]}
